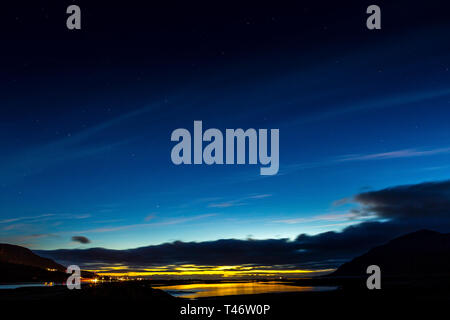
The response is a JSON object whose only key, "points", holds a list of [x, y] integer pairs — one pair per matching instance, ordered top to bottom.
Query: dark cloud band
{"points": [[404, 209], [81, 239]]}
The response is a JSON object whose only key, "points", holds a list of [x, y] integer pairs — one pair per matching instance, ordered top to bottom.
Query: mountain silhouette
{"points": [[422, 252], [13, 254], [19, 264]]}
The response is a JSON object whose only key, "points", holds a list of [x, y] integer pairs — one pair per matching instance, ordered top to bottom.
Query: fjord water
{"points": [[24, 285], [203, 290]]}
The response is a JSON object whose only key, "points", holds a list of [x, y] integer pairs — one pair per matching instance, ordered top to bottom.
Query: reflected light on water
{"points": [[202, 290]]}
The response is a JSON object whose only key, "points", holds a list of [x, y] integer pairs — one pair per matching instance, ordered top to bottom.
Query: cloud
{"points": [[398, 99], [405, 153], [394, 154], [37, 158], [260, 196], [430, 200], [238, 202], [226, 204], [403, 209], [45, 217], [149, 217], [322, 217], [31, 218], [109, 221], [152, 224], [16, 226], [81, 239], [26, 240], [325, 250], [322, 251], [219, 252]]}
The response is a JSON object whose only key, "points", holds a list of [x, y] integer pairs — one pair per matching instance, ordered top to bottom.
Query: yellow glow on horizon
{"points": [[203, 270]]}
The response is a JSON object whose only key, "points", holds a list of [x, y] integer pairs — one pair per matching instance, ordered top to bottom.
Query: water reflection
{"points": [[23, 285], [202, 290]]}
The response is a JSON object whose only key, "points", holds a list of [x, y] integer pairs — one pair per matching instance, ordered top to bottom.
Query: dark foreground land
{"points": [[139, 299]]}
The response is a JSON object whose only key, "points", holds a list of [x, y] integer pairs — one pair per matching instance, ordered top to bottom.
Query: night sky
{"points": [[86, 118]]}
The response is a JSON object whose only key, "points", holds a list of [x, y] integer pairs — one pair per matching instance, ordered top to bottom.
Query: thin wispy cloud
{"points": [[373, 104], [406, 153], [395, 154], [37, 158], [260, 196], [196, 202], [238, 202], [226, 204], [150, 216], [45, 217], [323, 217], [11, 220], [109, 221], [28, 224], [142, 225], [332, 225], [16, 227], [27, 240]]}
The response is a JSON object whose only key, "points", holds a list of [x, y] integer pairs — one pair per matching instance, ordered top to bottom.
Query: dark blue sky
{"points": [[86, 118]]}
